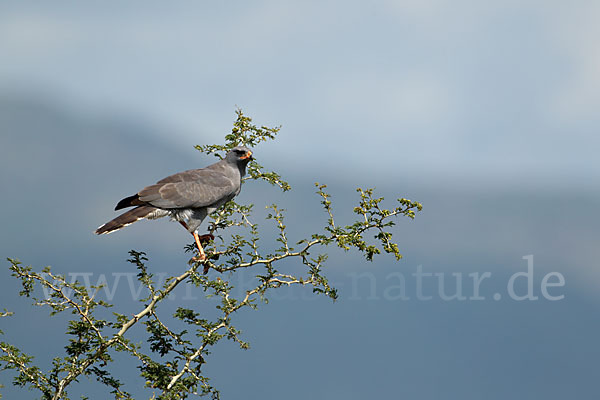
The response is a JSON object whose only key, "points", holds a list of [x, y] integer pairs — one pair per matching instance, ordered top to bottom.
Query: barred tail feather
{"points": [[125, 219]]}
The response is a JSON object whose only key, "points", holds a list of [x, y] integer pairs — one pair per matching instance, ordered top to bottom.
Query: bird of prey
{"points": [[187, 197]]}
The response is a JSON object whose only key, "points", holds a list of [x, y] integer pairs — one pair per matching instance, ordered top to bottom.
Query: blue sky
{"points": [[490, 89]]}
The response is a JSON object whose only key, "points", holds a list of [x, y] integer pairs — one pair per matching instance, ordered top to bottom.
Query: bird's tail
{"points": [[125, 219]]}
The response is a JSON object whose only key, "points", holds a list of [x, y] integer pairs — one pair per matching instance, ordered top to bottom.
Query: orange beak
{"points": [[247, 155]]}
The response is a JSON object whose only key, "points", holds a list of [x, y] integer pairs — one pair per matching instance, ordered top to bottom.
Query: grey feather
{"points": [[187, 196], [125, 219]]}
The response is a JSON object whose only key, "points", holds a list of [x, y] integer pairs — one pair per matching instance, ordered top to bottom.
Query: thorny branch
{"points": [[178, 371]]}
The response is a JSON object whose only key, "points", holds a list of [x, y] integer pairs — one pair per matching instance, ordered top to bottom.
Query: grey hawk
{"points": [[187, 197]]}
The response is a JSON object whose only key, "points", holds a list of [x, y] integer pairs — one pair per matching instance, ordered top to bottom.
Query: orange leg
{"points": [[199, 239], [202, 256]]}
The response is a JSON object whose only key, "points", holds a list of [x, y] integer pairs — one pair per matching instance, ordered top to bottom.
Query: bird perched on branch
{"points": [[187, 197]]}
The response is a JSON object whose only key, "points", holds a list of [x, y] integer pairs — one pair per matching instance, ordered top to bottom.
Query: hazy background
{"points": [[486, 112]]}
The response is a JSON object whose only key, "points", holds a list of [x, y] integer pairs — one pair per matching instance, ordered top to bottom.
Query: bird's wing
{"points": [[189, 189]]}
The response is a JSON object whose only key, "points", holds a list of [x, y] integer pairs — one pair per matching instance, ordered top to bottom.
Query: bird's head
{"points": [[239, 155]]}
